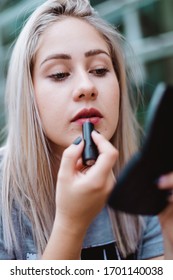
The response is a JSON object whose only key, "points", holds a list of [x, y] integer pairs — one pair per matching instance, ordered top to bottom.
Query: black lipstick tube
{"points": [[90, 152]]}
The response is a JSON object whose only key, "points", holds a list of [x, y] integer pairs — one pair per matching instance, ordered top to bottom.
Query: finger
{"points": [[101, 142], [105, 148], [107, 154], [69, 159], [79, 164], [80, 167], [166, 181], [110, 182]]}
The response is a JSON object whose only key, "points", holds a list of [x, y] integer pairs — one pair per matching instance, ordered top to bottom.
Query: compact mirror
{"points": [[136, 189]]}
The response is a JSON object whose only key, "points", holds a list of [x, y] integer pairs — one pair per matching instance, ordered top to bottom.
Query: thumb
{"points": [[70, 158]]}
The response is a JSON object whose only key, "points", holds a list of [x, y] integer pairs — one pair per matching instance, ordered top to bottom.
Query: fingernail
{"points": [[77, 140]]}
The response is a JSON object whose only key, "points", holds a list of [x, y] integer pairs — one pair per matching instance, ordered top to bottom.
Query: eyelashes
{"points": [[100, 72], [61, 76]]}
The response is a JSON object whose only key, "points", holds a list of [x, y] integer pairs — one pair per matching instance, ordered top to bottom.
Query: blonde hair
{"points": [[27, 163]]}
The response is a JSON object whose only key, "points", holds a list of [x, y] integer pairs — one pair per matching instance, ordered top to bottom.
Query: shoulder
{"points": [[152, 225], [151, 244]]}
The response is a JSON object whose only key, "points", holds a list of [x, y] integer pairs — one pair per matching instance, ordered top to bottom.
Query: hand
{"points": [[80, 196], [166, 216]]}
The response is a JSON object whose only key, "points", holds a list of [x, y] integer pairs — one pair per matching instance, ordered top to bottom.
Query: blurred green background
{"points": [[146, 24]]}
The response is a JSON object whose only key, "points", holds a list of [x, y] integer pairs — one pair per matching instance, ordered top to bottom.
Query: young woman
{"points": [[68, 67]]}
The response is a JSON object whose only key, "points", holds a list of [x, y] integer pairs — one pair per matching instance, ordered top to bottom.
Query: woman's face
{"points": [[74, 81]]}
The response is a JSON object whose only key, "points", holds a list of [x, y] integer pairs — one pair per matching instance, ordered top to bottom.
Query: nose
{"points": [[85, 88]]}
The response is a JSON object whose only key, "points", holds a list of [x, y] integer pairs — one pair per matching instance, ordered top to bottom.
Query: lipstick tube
{"points": [[90, 152]]}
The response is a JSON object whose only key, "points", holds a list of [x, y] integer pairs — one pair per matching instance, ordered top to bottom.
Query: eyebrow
{"points": [[96, 52], [68, 57]]}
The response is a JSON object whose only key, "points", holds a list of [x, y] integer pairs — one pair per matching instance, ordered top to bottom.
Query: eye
{"points": [[100, 72], [60, 76]]}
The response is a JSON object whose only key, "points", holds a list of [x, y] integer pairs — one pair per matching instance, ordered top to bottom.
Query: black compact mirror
{"points": [[136, 189]]}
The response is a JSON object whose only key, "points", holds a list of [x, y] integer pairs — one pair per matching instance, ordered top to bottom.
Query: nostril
{"points": [[81, 95]]}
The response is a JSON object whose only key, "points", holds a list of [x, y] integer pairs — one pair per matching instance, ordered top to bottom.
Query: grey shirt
{"points": [[151, 243]]}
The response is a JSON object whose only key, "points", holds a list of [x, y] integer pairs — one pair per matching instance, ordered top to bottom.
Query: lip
{"points": [[92, 115]]}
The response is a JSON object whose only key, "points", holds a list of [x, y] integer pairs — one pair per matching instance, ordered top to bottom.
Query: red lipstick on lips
{"points": [[92, 115]]}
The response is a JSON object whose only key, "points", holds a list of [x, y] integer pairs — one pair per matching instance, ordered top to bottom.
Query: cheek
{"points": [[114, 99], [112, 103], [116, 105], [50, 110], [114, 111]]}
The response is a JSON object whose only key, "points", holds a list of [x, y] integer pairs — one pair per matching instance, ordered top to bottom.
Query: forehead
{"points": [[68, 35]]}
